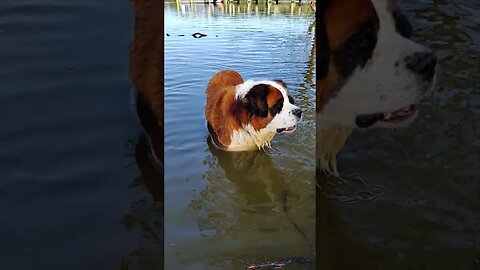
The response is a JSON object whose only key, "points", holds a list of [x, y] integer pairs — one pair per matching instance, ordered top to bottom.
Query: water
{"points": [[67, 135], [225, 209], [424, 212]]}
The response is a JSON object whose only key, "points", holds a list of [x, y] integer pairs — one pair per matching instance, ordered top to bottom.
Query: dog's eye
{"points": [[402, 24], [357, 49], [291, 100], [279, 105]]}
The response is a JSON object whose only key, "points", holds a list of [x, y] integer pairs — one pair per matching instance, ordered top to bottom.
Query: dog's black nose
{"points": [[422, 64], [297, 113]]}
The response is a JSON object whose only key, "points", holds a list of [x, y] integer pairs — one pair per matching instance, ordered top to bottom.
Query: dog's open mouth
{"points": [[392, 118], [286, 130]]}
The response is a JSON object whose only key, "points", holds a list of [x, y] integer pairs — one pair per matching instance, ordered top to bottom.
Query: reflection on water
{"points": [[263, 8], [66, 127], [250, 202], [223, 210], [146, 214], [429, 214]]}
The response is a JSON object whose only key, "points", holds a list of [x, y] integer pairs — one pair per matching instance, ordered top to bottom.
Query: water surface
{"points": [[67, 135], [419, 207], [223, 210]]}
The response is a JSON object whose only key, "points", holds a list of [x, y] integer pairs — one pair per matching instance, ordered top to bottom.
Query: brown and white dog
{"points": [[371, 74], [246, 115]]}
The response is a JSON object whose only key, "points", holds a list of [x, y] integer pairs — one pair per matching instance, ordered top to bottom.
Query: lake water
{"points": [[67, 136], [419, 207], [222, 209]]}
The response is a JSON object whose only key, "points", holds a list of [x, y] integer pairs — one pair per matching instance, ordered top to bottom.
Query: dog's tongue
{"points": [[406, 111], [280, 130]]}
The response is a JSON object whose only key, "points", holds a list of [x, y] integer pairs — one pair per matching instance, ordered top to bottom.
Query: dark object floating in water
{"points": [[168, 34], [181, 35], [198, 35], [279, 264]]}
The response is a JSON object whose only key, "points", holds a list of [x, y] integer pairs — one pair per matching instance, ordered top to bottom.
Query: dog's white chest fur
{"points": [[248, 138]]}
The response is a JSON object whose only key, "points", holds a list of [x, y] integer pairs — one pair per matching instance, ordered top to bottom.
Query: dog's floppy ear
{"points": [[323, 49], [255, 101]]}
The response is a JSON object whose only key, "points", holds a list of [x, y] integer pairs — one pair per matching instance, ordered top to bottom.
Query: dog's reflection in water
{"points": [[252, 175], [249, 203], [146, 213]]}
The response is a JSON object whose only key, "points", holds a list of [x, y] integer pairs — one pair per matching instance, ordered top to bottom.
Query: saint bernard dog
{"points": [[370, 73], [246, 115]]}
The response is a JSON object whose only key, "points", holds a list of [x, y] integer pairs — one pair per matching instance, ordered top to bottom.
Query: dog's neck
{"points": [[248, 138]]}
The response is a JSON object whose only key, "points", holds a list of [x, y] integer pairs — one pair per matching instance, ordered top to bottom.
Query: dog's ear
{"points": [[322, 47], [281, 83], [255, 101]]}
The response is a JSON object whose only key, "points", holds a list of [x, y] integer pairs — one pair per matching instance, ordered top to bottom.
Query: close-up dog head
{"points": [[371, 72], [268, 105]]}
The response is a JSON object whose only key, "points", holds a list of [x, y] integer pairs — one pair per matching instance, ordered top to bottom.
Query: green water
{"points": [[224, 208]]}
